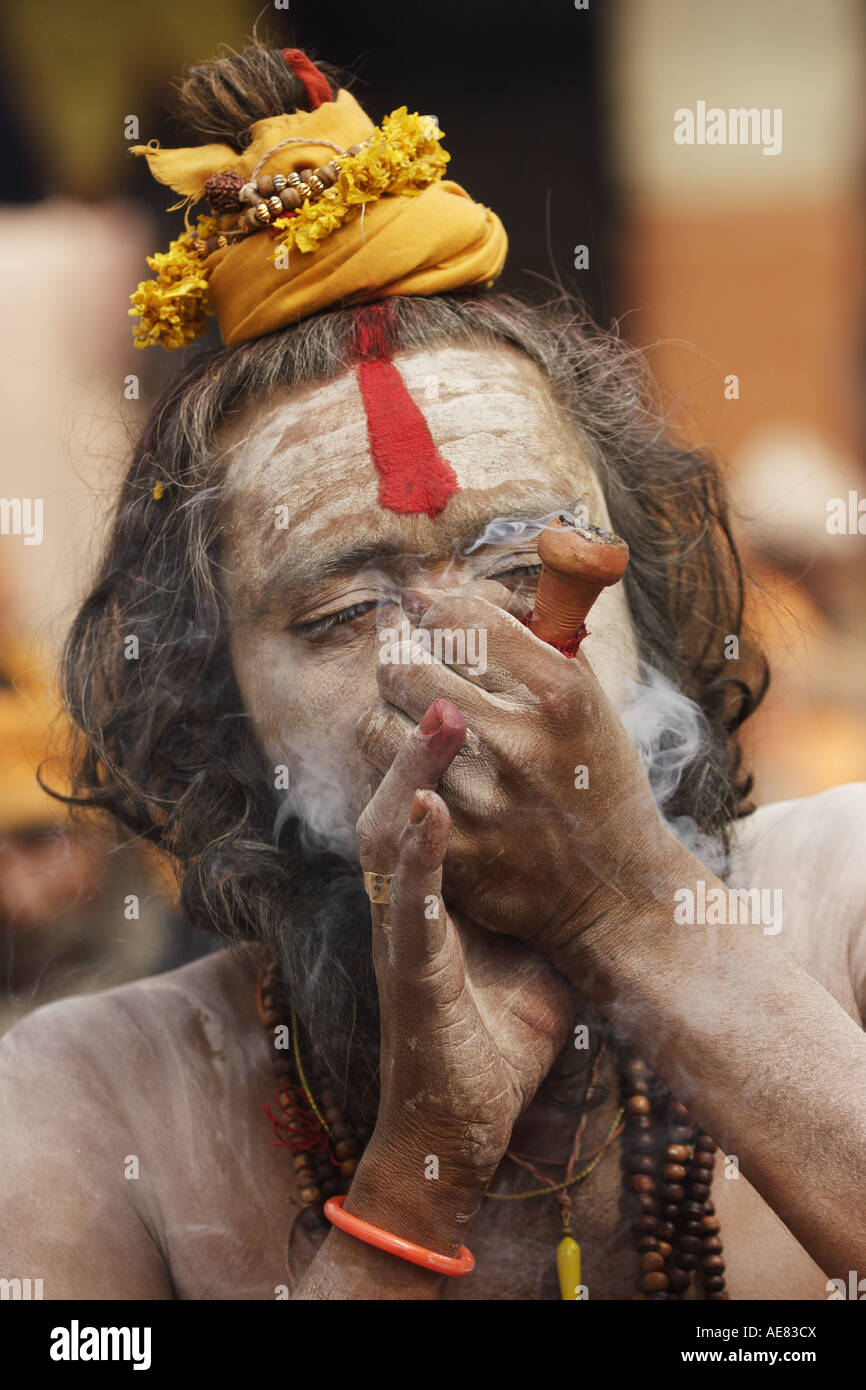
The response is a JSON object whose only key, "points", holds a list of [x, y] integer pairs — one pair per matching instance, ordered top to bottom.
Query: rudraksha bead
{"points": [[681, 1134], [640, 1141], [641, 1182], [697, 1191], [644, 1226]]}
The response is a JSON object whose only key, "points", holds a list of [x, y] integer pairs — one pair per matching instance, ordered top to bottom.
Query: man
{"points": [[291, 503], [77, 913]]}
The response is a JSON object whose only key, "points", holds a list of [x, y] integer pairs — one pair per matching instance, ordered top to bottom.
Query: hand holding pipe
{"points": [[577, 562]]}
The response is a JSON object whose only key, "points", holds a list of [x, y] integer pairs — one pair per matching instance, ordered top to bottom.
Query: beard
{"points": [[323, 946]]}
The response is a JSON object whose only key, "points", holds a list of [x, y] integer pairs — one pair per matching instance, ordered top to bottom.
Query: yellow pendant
{"points": [[568, 1268]]}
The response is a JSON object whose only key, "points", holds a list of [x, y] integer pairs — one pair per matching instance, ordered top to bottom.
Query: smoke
{"points": [[506, 528], [670, 732], [318, 799], [321, 804], [324, 942]]}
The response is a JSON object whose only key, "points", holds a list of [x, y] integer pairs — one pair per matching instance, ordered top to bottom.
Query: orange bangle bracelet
{"points": [[461, 1263]]}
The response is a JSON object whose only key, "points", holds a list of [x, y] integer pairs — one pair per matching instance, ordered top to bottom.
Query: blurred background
{"points": [[740, 273]]}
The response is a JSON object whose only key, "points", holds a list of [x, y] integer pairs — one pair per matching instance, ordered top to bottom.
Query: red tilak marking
{"points": [[414, 476]]}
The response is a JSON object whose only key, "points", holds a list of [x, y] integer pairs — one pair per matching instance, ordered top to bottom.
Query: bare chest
{"points": [[228, 1211]]}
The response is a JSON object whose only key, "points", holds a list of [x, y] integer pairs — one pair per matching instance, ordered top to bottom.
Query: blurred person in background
{"points": [[79, 911]]}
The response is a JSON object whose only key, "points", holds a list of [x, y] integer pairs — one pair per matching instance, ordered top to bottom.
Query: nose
{"points": [[432, 583], [415, 602]]}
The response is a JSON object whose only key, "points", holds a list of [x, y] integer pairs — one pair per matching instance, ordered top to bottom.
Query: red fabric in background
{"points": [[315, 82]]}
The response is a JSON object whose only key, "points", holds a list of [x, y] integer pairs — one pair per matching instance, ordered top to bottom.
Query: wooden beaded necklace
{"points": [[667, 1163], [668, 1172]]}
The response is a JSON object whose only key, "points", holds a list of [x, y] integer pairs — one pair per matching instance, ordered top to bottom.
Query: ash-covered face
{"points": [[314, 566]]}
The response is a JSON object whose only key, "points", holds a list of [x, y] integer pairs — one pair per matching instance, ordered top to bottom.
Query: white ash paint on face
{"points": [[490, 412], [494, 420]]}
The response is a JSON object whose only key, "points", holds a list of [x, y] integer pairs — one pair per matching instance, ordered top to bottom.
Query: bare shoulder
{"points": [[813, 850], [89, 1035], [106, 1061], [87, 1088]]}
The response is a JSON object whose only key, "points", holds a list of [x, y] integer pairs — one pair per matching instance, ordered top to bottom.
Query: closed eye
{"points": [[518, 572], [320, 626]]}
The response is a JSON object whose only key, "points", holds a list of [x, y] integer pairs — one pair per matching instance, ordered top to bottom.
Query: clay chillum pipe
{"points": [[577, 562]]}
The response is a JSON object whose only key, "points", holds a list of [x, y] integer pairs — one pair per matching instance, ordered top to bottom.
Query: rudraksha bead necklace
{"points": [[325, 1145]]}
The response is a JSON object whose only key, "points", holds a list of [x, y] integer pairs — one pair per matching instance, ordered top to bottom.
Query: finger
{"points": [[415, 602], [515, 602], [476, 631], [511, 645], [457, 662], [520, 668], [410, 678], [381, 732], [420, 762], [416, 911]]}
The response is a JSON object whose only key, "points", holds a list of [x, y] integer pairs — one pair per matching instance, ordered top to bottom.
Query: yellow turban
{"points": [[407, 241]]}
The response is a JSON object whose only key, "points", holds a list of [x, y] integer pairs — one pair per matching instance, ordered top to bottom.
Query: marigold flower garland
{"points": [[402, 157], [174, 306]]}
